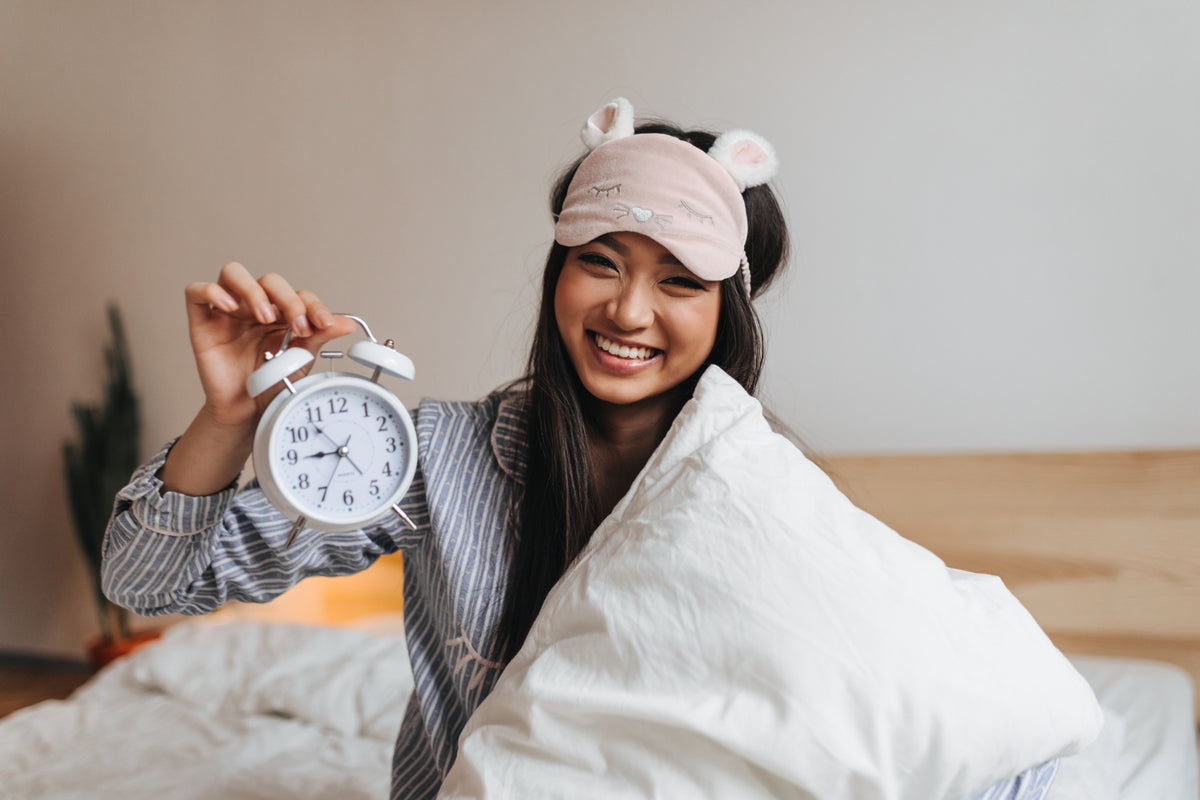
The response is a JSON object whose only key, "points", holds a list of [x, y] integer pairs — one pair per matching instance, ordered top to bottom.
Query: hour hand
{"points": [[322, 455]]}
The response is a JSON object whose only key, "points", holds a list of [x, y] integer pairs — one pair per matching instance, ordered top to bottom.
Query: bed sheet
{"points": [[239, 710], [260, 710], [1147, 748]]}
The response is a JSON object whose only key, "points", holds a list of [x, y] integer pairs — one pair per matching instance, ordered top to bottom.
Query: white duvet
{"points": [[738, 629], [233, 711]]}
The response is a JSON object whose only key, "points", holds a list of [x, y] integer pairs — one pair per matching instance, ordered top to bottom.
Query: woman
{"points": [[663, 237]]}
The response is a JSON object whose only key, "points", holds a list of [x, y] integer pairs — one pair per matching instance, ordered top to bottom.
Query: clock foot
{"points": [[412, 526], [295, 530]]}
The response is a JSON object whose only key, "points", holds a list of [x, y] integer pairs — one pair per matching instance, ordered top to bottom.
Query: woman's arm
{"points": [[181, 539], [166, 552]]}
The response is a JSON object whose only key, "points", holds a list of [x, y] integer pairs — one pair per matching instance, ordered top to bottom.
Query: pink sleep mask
{"points": [[687, 200]]}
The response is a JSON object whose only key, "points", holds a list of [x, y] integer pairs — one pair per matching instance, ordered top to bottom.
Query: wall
{"points": [[994, 207]]}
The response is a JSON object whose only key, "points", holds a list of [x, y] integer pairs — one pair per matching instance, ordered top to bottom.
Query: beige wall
{"points": [[994, 207]]}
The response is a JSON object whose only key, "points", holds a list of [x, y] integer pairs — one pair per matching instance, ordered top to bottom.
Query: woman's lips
{"points": [[615, 348], [639, 359]]}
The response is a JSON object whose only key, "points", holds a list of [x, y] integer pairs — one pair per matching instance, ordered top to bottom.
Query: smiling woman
{"points": [[663, 239]]}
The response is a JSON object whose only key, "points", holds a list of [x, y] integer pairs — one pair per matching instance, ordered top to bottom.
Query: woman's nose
{"points": [[631, 308]]}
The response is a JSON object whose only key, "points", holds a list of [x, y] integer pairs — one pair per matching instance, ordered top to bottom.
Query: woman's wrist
{"points": [[209, 456]]}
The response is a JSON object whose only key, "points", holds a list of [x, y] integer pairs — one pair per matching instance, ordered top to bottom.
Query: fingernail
{"points": [[265, 313], [324, 319], [301, 326]]}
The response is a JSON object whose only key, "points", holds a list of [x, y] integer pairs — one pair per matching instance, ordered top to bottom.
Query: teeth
{"points": [[623, 351]]}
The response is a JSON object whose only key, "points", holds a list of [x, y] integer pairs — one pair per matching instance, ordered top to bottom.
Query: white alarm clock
{"points": [[334, 451]]}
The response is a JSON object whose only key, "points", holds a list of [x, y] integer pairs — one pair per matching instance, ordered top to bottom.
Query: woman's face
{"points": [[636, 322]]}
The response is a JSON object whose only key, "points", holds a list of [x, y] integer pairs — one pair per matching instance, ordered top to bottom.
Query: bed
{"points": [[1104, 549], [302, 697]]}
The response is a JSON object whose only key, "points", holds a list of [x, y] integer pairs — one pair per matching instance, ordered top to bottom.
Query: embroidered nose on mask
{"points": [[642, 215]]}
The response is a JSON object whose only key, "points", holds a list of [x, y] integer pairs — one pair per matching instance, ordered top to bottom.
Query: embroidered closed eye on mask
{"points": [[687, 200]]}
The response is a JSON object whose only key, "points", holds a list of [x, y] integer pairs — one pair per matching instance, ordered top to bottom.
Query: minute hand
{"points": [[342, 451]]}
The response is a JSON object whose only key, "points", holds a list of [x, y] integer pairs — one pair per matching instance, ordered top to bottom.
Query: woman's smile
{"points": [[636, 323], [623, 351]]}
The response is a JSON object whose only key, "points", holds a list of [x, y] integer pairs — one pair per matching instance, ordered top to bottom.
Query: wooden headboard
{"points": [[1102, 548]]}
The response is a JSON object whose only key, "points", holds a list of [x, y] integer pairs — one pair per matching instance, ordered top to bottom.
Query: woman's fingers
{"points": [[250, 293], [202, 296], [285, 298], [268, 300], [318, 313]]}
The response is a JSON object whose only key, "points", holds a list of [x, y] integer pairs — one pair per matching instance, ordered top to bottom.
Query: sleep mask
{"points": [[687, 200]]}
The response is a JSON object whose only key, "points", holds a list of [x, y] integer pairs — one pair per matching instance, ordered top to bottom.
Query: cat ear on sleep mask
{"points": [[748, 158]]}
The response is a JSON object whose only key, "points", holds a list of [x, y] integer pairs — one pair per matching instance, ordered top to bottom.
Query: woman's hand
{"points": [[232, 323]]}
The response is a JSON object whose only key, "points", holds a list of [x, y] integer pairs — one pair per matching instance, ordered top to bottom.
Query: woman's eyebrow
{"points": [[612, 242]]}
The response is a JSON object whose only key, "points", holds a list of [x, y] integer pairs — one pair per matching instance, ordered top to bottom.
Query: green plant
{"points": [[100, 463]]}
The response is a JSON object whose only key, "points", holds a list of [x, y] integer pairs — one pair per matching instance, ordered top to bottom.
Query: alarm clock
{"points": [[334, 451]]}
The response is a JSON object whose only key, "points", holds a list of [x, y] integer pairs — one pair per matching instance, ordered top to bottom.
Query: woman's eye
{"points": [[597, 260], [684, 283]]}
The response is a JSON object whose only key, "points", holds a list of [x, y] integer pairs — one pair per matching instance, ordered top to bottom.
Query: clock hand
{"points": [[320, 432], [346, 447], [342, 451], [322, 455], [329, 482], [299, 523]]}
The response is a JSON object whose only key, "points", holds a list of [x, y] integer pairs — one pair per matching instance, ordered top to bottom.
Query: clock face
{"points": [[341, 451]]}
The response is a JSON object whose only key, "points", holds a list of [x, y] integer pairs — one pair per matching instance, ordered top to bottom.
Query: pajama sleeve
{"points": [[168, 553]]}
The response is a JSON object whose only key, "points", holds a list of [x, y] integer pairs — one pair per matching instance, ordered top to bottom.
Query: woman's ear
{"points": [[612, 121], [748, 157]]}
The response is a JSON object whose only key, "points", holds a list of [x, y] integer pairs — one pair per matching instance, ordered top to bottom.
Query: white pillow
{"points": [[738, 629]]}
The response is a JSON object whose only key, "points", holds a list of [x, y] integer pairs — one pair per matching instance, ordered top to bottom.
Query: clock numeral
{"points": [[337, 405], [366, 411], [314, 414], [382, 424], [298, 434], [391, 445], [292, 458], [387, 469], [303, 480], [375, 488], [324, 490], [348, 497]]}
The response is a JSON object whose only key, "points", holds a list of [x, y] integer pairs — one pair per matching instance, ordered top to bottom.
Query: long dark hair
{"points": [[559, 507]]}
